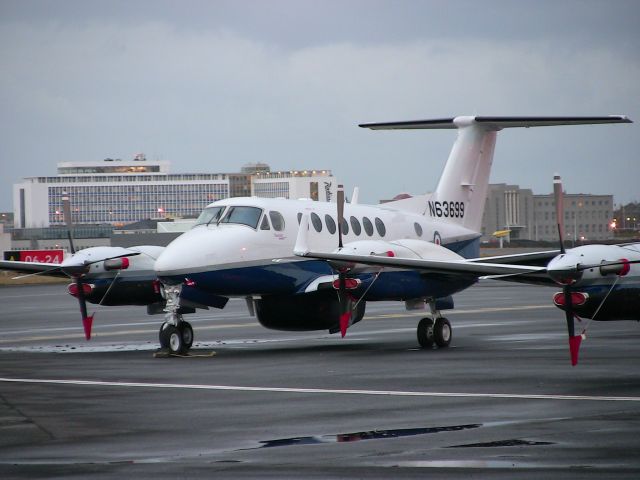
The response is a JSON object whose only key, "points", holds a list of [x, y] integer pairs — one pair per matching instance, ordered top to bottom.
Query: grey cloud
{"points": [[215, 98]]}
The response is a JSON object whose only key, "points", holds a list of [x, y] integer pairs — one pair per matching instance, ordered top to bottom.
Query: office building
{"points": [[117, 192], [532, 217]]}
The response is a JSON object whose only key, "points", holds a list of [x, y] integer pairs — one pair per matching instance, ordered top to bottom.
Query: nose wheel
{"points": [[175, 335]]}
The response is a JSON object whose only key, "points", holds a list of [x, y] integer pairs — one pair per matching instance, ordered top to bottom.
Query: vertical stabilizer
{"points": [[462, 190]]}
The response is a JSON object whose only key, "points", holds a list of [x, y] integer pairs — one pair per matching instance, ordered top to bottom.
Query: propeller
{"points": [[568, 278], [345, 307], [87, 320]]}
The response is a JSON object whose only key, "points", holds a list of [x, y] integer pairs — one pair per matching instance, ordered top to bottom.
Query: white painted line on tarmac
{"points": [[384, 393]]}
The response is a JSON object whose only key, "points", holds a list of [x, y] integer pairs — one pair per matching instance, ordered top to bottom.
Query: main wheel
{"points": [[442, 332], [425, 333], [187, 334], [171, 338], [164, 340]]}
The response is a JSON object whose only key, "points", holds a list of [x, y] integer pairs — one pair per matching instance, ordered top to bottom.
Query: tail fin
{"points": [[462, 190]]}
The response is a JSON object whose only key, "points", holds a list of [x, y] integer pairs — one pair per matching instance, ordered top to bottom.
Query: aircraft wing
{"points": [[530, 258], [538, 259], [460, 267], [50, 269]]}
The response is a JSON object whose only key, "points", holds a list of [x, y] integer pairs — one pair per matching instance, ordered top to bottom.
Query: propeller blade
{"points": [[559, 201], [340, 204], [66, 209], [562, 250], [132, 254], [345, 308], [87, 320], [574, 340]]}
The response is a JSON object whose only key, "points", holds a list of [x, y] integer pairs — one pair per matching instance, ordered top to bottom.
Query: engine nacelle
{"points": [[304, 312]]}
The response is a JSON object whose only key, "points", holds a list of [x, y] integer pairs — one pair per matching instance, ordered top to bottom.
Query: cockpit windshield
{"points": [[209, 215], [243, 215]]}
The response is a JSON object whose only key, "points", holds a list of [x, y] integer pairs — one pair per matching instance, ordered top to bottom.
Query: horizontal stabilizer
{"points": [[495, 123]]}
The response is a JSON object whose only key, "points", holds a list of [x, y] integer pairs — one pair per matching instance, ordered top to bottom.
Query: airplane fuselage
{"points": [[256, 259]]}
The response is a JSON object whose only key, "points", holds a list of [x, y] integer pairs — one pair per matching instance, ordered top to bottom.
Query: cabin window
{"points": [[209, 215], [243, 215], [299, 217], [277, 220], [265, 223], [317, 223], [331, 224], [355, 225], [344, 226], [368, 226], [380, 227], [418, 228]]}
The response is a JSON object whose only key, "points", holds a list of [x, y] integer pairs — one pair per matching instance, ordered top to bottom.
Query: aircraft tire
{"points": [[186, 330], [442, 332], [425, 333], [171, 339], [164, 341]]}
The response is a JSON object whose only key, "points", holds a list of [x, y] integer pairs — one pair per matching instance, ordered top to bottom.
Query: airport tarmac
{"points": [[502, 402]]}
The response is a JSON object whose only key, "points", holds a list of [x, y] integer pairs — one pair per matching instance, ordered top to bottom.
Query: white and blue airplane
{"points": [[308, 265]]}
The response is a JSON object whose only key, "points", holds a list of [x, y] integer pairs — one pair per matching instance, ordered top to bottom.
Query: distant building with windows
{"points": [[117, 192], [508, 207], [532, 217], [586, 217]]}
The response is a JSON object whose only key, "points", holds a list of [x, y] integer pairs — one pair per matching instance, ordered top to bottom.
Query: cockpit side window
{"points": [[209, 215], [243, 215], [277, 220], [265, 223]]}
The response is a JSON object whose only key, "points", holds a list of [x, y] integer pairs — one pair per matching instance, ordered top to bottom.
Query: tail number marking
{"points": [[446, 209]]}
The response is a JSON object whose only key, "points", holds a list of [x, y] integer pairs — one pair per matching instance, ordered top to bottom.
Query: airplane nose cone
{"points": [[204, 249], [185, 254], [564, 270]]}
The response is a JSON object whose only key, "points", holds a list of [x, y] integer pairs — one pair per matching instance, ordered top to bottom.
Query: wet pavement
{"points": [[502, 402]]}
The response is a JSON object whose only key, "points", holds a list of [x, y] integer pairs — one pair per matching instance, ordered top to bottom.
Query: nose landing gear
{"points": [[176, 334]]}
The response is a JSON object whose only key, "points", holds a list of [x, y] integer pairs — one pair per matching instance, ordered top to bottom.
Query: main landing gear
{"points": [[430, 331], [176, 334], [176, 339]]}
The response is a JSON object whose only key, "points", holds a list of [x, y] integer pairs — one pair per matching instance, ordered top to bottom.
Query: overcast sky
{"points": [[212, 85]]}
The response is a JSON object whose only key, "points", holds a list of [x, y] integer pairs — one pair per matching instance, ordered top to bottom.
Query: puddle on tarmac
{"points": [[361, 436], [503, 443]]}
